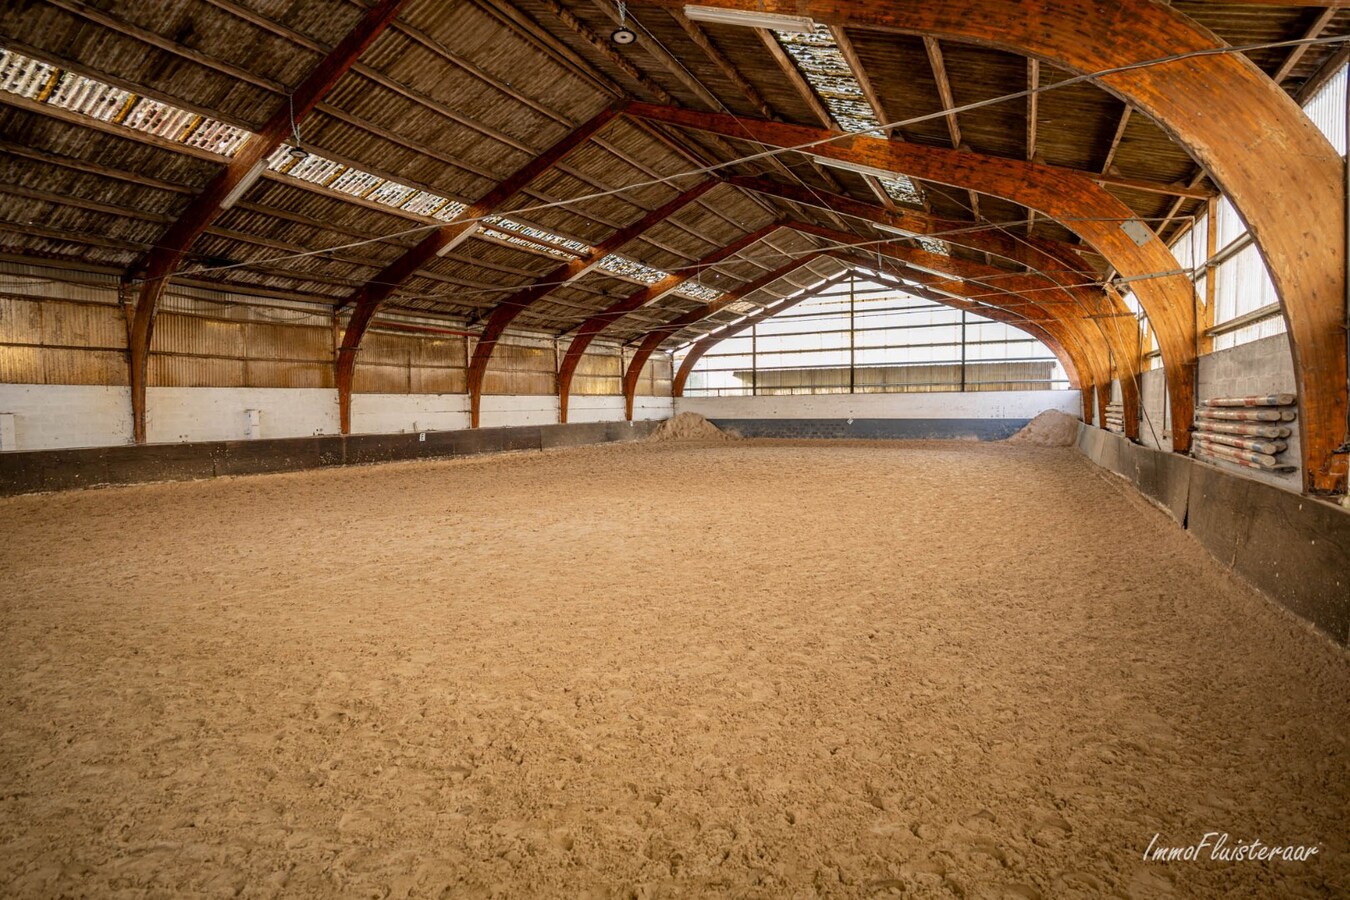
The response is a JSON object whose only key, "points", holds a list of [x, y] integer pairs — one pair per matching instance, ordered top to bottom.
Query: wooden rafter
{"points": [[1291, 194], [1068, 197], [158, 266], [367, 299], [506, 311], [590, 329], [653, 339]]}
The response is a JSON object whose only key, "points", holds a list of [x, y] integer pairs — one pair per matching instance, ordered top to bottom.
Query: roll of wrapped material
{"points": [[1259, 400], [1248, 415], [1255, 429], [1255, 445]]}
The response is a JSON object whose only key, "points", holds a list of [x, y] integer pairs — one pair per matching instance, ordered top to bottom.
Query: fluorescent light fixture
{"points": [[716, 15], [857, 168], [244, 184], [893, 230], [458, 239], [947, 275]]}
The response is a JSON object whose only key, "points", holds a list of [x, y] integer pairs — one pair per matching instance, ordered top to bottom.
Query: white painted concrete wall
{"points": [[955, 405], [588, 408], [504, 410], [394, 413], [219, 414], [52, 416]]}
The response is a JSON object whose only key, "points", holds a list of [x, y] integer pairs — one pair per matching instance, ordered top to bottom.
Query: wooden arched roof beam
{"points": [[1280, 172], [1077, 202], [1050, 259], [156, 268], [1038, 298], [366, 300], [506, 311], [590, 329], [653, 338], [706, 343], [1081, 347], [1082, 351], [1072, 362]]}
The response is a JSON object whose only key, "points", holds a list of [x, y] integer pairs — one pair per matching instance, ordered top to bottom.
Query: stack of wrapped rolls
{"points": [[1251, 432]]}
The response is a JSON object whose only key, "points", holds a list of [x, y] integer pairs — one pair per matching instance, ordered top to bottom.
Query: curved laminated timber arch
{"points": [[1220, 107], [1069, 197], [1049, 259], [155, 269], [1035, 298], [367, 299], [506, 311], [590, 329], [653, 338], [706, 343], [1078, 353]]}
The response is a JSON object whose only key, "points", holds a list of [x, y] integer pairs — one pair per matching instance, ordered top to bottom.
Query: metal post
{"points": [[852, 337], [963, 351], [754, 361]]}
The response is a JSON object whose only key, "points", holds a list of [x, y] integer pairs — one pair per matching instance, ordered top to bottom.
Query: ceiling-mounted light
{"points": [[746, 18], [623, 35], [296, 152], [855, 168], [244, 184], [893, 230], [458, 239]]}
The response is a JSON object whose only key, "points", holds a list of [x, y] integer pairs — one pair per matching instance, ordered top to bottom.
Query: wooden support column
{"points": [[1280, 172], [1069, 197], [154, 270], [367, 299], [506, 311], [590, 329], [653, 339]]}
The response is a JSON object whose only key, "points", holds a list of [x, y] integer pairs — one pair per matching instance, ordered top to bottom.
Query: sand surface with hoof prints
{"points": [[746, 669]]}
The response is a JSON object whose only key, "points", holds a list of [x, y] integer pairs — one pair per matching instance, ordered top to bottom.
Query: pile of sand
{"points": [[688, 426], [1051, 428]]}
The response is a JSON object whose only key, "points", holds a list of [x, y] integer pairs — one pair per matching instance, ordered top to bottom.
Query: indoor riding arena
{"points": [[756, 449]]}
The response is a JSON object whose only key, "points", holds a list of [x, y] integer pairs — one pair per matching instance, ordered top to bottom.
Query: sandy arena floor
{"points": [[751, 670]]}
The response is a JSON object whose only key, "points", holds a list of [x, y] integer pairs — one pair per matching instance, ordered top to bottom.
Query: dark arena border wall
{"points": [[54, 470], [1292, 548]]}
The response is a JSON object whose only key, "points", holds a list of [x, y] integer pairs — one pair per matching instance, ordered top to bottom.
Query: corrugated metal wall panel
{"points": [[20, 321], [83, 325], [176, 333], [289, 342], [382, 348], [439, 351], [21, 365], [84, 366], [521, 369], [195, 371], [599, 373], [284, 374], [381, 379], [426, 380]]}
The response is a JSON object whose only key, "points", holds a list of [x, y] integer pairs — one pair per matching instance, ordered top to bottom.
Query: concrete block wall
{"points": [[1260, 367], [1155, 425]]}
